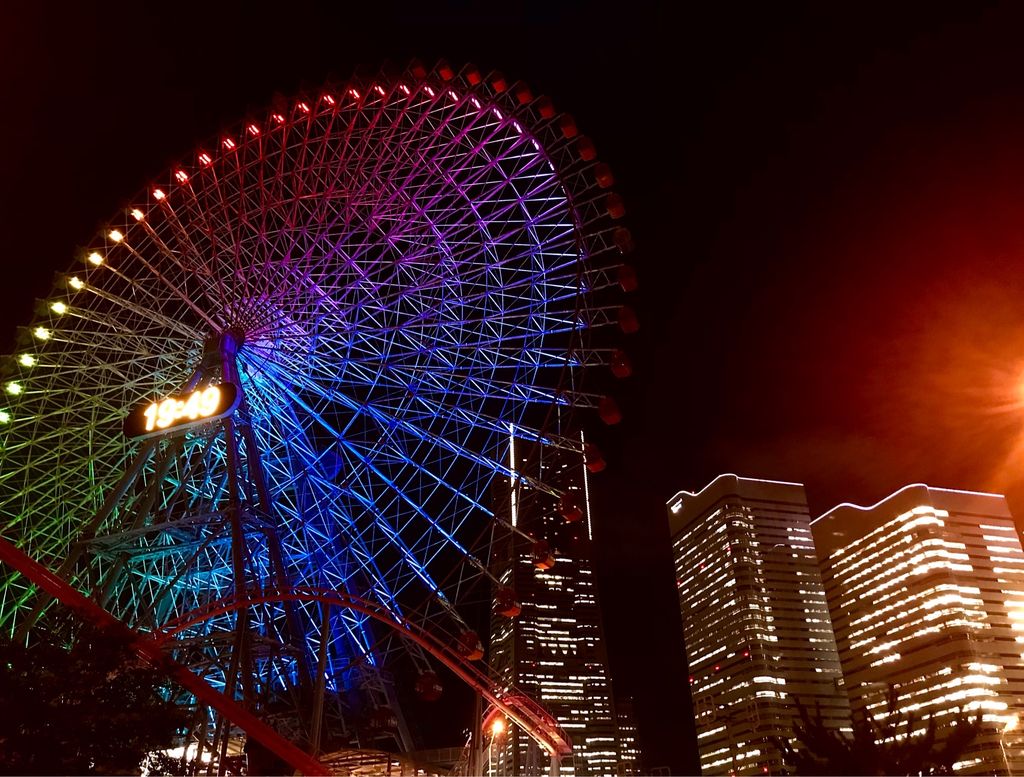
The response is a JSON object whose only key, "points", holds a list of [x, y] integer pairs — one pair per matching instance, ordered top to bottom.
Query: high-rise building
{"points": [[926, 591], [755, 620], [554, 650], [629, 747]]}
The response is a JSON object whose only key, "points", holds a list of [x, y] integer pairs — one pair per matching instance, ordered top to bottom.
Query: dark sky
{"points": [[827, 203]]}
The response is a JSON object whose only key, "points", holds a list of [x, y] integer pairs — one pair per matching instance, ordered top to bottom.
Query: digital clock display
{"points": [[177, 412]]}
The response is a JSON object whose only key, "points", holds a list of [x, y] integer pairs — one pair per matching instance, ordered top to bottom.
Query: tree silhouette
{"points": [[93, 708], [873, 748]]}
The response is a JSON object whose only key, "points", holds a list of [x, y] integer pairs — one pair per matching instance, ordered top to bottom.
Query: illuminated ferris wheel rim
{"points": [[416, 80], [400, 316]]}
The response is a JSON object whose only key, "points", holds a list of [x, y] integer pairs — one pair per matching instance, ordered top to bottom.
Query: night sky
{"points": [[826, 199]]}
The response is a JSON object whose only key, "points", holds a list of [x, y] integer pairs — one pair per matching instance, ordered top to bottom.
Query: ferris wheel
{"points": [[290, 370]]}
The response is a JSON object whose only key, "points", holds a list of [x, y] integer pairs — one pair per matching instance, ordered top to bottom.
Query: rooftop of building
{"points": [[684, 506], [845, 522]]}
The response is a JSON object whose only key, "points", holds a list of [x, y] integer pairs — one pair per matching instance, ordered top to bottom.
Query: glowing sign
{"points": [[179, 412]]}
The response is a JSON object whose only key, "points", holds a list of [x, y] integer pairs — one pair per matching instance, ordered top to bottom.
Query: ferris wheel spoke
{"points": [[368, 180], [352, 195], [210, 275], [174, 288], [143, 312], [435, 407], [386, 422], [371, 466], [367, 559]]}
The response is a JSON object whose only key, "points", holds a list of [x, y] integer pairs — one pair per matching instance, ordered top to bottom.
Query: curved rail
{"points": [[150, 650], [530, 716]]}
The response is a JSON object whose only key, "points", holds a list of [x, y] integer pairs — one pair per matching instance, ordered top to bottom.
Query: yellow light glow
{"points": [[158, 194], [137, 214], [116, 236], [96, 258], [76, 283], [59, 308], [41, 332], [27, 360], [14, 388], [201, 403], [5, 417], [1011, 724], [498, 727]]}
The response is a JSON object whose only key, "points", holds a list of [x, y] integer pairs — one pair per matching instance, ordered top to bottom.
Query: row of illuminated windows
{"points": [[964, 530]]}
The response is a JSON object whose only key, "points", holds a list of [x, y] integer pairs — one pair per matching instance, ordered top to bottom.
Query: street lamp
{"points": [[1011, 724], [497, 731]]}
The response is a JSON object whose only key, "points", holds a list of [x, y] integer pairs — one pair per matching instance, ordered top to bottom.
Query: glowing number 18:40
{"points": [[199, 404]]}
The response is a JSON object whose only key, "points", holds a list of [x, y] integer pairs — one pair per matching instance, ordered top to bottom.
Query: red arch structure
{"points": [[149, 650], [517, 706], [535, 720]]}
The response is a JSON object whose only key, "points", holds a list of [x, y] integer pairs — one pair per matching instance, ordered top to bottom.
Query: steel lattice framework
{"points": [[400, 273]]}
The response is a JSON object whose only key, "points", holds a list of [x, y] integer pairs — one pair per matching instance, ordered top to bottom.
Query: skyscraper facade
{"points": [[926, 591], [755, 620], [554, 650], [629, 745]]}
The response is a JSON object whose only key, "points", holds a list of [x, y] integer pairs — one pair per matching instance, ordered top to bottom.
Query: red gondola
{"points": [[569, 507], [541, 555], [505, 603], [470, 647], [428, 686]]}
